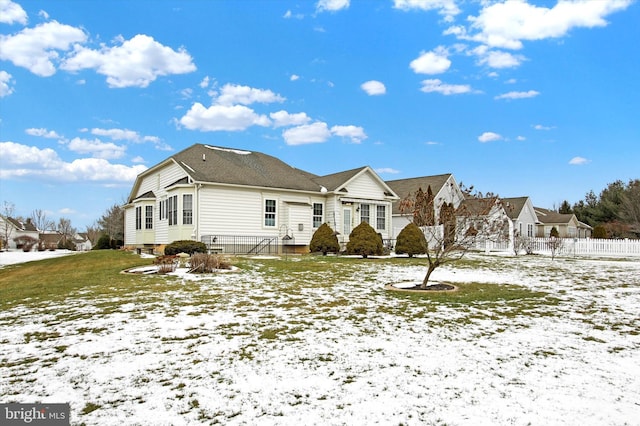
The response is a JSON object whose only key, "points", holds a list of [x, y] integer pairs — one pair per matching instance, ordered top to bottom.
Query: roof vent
{"points": [[204, 157]]}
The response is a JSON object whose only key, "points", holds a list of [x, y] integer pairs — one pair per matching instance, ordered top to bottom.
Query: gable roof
{"points": [[206, 163], [405, 187], [479, 206], [513, 206], [549, 216], [19, 225]]}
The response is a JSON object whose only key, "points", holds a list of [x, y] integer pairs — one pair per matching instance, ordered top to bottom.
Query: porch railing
{"points": [[242, 244]]}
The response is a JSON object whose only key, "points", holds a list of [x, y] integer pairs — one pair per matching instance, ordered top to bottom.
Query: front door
{"points": [[346, 215]]}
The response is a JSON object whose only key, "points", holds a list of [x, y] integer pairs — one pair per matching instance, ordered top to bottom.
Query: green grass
{"points": [[52, 280]]}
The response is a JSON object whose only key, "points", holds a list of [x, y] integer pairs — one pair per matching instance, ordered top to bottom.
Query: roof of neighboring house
{"points": [[205, 163], [407, 187], [478, 206], [513, 206], [549, 216], [27, 226], [50, 237]]}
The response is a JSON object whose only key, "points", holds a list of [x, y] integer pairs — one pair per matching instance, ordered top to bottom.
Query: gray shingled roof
{"points": [[205, 163], [334, 181], [405, 187], [513, 206], [549, 216]]}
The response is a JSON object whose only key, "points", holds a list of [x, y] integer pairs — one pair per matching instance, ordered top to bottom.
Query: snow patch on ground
{"points": [[245, 348]]}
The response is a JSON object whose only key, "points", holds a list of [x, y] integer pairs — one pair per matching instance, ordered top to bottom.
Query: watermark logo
{"points": [[34, 414]]}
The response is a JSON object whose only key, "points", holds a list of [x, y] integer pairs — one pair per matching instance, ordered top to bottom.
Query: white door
{"points": [[346, 215]]}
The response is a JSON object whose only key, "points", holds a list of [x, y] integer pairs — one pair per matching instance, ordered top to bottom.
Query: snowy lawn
{"points": [[313, 340]]}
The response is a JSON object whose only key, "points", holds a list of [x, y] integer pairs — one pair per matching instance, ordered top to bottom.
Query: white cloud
{"points": [[331, 5], [447, 8], [11, 12], [288, 15], [507, 24], [36, 49], [498, 58], [136, 62], [434, 62], [294, 77], [204, 83], [437, 86], [6, 87], [373, 87], [232, 94], [518, 95], [222, 118], [283, 118], [541, 127], [317, 132], [43, 133], [355, 133], [117, 134], [489, 137], [521, 138], [432, 143], [96, 148], [138, 159], [29, 161], [579, 161], [387, 170]]}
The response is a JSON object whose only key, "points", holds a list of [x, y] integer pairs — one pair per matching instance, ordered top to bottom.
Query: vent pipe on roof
{"points": [[204, 157]]}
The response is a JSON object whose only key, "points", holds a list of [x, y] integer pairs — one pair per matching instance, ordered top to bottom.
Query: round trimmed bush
{"points": [[324, 240], [364, 241], [411, 241], [185, 246]]}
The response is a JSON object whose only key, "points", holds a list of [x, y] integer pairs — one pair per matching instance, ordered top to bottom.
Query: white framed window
{"points": [[187, 209], [172, 210], [270, 212], [365, 213], [317, 215], [138, 217], [148, 217], [381, 217], [529, 229]]}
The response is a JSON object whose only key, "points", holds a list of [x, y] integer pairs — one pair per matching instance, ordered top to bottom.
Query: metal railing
{"points": [[242, 244]]}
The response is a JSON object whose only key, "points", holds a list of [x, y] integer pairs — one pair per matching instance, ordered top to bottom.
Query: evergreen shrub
{"points": [[324, 240], [364, 241], [411, 241], [185, 246]]}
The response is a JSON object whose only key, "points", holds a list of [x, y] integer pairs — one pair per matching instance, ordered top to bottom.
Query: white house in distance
{"points": [[444, 187], [243, 201], [522, 213], [567, 224]]}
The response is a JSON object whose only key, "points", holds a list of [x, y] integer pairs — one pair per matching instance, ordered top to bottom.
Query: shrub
{"points": [[554, 232], [599, 232], [324, 240], [411, 240], [364, 241], [25, 242], [104, 243], [66, 244], [185, 246], [207, 263], [166, 264]]}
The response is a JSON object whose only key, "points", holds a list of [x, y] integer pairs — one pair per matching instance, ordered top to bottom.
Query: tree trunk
{"points": [[431, 268]]}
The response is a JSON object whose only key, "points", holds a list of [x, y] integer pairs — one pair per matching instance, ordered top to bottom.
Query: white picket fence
{"points": [[573, 246]]}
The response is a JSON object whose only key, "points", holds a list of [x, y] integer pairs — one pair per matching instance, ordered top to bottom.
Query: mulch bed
{"points": [[430, 288]]}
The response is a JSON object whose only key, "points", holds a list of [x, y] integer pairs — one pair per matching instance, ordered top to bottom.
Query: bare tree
{"points": [[8, 210], [41, 221], [112, 222], [457, 229], [65, 230], [93, 232]]}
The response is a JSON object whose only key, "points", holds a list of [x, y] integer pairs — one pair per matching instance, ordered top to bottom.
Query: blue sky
{"points": [[537, 98]]}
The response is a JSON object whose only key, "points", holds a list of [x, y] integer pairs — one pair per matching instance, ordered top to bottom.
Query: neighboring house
{"points": [[444, 187], [210, 194], [522, 213], [486, 218], [567, 224], [11, 228], [49, 239], [82, 241]]}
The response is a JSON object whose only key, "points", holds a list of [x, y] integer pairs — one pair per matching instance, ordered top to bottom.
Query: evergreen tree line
{"points": [[614, 213]]}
